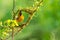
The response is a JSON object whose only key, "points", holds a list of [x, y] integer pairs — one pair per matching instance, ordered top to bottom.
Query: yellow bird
{"points": [[20, 17]]}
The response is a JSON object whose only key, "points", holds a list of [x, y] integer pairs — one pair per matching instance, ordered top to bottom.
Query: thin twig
{"points": [[13, 9], [13, 19]]}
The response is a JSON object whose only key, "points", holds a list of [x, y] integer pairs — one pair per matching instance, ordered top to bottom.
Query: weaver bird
{"points": [[20, 17]]}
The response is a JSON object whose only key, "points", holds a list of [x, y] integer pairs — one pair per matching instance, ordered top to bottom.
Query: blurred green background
{"points": [[45, 24]]}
